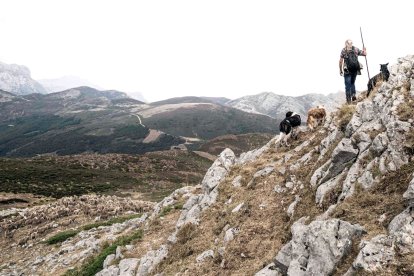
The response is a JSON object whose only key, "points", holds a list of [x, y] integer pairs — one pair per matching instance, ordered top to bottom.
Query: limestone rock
{"points": [[317, 248], [375, 253], [203, 256], [150, 260], [127, 267]]}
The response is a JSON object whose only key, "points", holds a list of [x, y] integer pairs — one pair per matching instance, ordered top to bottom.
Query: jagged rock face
{"points": [[16, 79], [276, 106], [215, 174], [315, 249]]}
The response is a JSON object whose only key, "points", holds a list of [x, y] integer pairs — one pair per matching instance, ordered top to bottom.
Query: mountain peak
{"points": [[17, 80]]}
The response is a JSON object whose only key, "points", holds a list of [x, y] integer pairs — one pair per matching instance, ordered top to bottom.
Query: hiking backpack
{"points": [[351, 61]]}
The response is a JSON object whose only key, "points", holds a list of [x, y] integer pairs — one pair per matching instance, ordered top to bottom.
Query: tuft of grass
{"points": [[405, 109], [344, 116], [409, 143], [168, 209], [110, 222], [186, 233], [64, 235], [182, 248], [95, 264]]}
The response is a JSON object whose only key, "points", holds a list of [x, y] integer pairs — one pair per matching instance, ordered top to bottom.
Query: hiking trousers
{"points": [[350, 85]]}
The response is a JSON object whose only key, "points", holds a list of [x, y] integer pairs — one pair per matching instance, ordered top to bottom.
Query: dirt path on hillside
{"points": [[152, 136], [206, 155]]}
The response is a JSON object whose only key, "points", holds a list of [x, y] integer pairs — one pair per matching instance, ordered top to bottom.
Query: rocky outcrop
{"points": [[17, 80], [215, 174], [92, 206], [315, 249]]}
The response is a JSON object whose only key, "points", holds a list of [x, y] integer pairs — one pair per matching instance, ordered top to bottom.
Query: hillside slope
{"points": [[84, 119], [205, 120], [74, 121], [152, 175], [338, 201]]}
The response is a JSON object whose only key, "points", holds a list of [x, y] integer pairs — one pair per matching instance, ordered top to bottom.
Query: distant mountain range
{"points": [[68, 82], [276, 106], [84, 119], [75, 121]]}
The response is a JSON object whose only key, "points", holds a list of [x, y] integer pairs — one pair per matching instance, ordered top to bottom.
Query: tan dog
{"points": [[316, 117]]}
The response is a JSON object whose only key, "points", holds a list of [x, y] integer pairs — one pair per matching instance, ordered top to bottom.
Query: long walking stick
{"points": [[366, 61]]}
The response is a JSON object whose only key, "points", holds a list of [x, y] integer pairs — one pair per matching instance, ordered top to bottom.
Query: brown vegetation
{"points": [[344, 116]]}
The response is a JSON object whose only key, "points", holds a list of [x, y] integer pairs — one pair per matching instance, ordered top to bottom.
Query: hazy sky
{"points": [[204, 48]]}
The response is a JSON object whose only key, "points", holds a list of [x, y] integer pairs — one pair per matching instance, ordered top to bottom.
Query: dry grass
{"points": [[405, 109], [344, 116], [373, 133], [409, 143], [365, 160], [332, 196], [385, 198], [306, 206], [366, 206], [263, 230], [182, 248], [404, 265]]}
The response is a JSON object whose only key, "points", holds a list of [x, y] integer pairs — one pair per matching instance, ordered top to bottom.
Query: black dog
{"points": [[382, 76], [288, 126]]}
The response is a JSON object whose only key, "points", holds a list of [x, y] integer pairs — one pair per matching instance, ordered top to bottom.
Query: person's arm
{"points": [[363, 52], [341, 63]]}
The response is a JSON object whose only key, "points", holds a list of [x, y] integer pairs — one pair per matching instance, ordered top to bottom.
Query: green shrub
{"points": [[62, 236], [95, 264]]}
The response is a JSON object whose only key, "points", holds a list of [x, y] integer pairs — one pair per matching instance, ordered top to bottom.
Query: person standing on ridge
{"points": [[349, 68]]}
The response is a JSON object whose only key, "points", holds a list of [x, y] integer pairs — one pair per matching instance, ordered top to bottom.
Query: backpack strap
{"points": [[355, 50]]}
